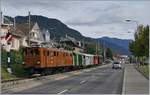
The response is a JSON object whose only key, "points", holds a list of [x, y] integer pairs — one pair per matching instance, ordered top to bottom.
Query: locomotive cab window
{"points": [[25, 52], [31, 52], [35, 52], [47, 53], [54, 53], [57, 53]]}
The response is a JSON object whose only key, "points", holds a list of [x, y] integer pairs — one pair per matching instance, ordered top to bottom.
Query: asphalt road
{"points": [[96, 81]]}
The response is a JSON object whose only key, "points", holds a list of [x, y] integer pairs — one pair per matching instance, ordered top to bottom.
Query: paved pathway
{"points": [[134, 82]]}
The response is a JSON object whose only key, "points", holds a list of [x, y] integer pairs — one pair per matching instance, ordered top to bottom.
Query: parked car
{"points": [[116, 65]]}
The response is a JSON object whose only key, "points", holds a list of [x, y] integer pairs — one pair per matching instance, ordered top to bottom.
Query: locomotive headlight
{"points": [[38, 62]]}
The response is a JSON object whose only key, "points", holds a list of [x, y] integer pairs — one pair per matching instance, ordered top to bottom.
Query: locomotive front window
{"points": [[33, 52], [36, 52]]}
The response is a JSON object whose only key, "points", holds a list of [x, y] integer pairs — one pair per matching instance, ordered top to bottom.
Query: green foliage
{"points": [[140, 46], [90, 48], [109, 53], [3, 56], [16, 56], [16, 65], [144, 69], [18, 70], [5, 75]]}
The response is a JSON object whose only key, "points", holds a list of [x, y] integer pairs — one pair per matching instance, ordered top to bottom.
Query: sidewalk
{"points": [[134, 82]]}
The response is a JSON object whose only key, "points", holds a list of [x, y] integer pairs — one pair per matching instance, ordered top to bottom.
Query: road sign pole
{"points": [[8, 58]]}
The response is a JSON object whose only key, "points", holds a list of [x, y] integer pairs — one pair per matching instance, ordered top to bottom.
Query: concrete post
{"points": [[8, 58]]}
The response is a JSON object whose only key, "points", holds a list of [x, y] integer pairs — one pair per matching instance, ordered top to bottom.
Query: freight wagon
{"points": [[46, 60]]}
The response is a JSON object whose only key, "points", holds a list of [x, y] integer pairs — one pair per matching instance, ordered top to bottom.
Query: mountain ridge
{"points": [[58, 29], [117, 45]]}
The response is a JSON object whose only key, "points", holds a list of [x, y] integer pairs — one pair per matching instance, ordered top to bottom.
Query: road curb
{"points": [[141, 72], [124, 80], [8, 85]]}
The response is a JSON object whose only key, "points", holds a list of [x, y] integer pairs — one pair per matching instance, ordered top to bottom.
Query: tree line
{"points": [[140, 45]]}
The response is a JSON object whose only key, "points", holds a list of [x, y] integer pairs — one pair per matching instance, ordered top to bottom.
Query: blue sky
{"points": [[91, 18]]}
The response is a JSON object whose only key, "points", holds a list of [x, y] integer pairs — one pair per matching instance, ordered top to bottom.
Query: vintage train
{"points": [[46, 60]]}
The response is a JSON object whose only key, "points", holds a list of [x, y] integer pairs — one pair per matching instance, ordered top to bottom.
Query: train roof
{"points": [[51, 48], [61, 50], [84, 54]]}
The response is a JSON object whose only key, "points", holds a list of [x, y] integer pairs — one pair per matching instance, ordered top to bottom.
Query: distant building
{"points": [[5, 28], [35, 35], [17, 36], [21, 36], [46, 36], [39, 37], [70, 43]]}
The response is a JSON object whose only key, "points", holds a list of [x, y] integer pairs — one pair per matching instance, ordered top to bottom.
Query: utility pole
{"points": [[14, 24], [29, 29], [0, 32], [83, 45], [96, 48], [104, 51]]}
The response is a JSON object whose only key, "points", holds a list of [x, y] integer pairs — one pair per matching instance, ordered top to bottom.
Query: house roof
{"points": [[36, 26]]}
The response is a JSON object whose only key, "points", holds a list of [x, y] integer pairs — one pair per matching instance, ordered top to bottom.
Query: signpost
{"points": [[8, 38]]}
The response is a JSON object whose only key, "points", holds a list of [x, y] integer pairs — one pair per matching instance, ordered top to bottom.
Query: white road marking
{"points": [[94, 68], [88, 70], [76, 73], [61, 77], [82, 81], [63, 91]]}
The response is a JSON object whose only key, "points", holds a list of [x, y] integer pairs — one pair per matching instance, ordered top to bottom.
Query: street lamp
{"points": [[129, 20]]}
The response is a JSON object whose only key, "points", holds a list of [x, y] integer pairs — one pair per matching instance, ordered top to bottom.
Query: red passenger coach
{"points": [[96, 59]]}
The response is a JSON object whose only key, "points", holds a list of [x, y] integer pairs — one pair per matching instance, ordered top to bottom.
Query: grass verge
{"points": [[144, 69], [18, 72]]}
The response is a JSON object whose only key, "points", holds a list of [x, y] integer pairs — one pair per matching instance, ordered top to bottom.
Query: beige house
{"points": [[4, 30], [35, 35], [20, 36], [17, 37]]}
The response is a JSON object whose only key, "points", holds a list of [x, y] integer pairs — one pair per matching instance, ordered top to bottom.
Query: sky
{"points": [[92, 18]]}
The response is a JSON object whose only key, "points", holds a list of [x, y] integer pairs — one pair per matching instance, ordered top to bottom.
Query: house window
{"points": [[13, 43]]}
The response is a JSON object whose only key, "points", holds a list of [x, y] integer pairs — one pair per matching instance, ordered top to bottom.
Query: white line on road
{"points": [[88, 70], [82, 81], [63, 91]]}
